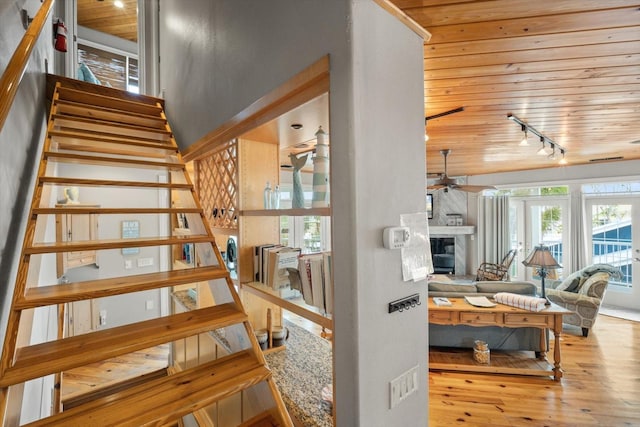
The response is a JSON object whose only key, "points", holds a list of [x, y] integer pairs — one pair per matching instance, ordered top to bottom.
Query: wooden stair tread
{"points": [[151, 107], [106, 113], [103, 122], [112, 138], [122, 162], [55, 180], [70, 209], [91, 245], [77, 291], [57, 356], [165, 399], [73, 400], [264, 419]]}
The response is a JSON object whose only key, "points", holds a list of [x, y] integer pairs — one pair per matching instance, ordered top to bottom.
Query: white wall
{"points": [[219, 57], [129, 308]]}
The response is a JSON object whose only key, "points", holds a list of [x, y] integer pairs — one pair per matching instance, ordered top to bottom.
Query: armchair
{"points": [[491, 271], [582, 292]]}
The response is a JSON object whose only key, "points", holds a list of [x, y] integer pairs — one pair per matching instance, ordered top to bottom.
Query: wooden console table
{"points": [[463, 313]]}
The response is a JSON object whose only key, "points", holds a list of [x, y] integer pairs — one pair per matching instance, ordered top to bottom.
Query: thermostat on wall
{"points": [[395, 237]]}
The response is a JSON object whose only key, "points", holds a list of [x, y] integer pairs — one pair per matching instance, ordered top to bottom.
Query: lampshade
{"points": [[541, 257]]}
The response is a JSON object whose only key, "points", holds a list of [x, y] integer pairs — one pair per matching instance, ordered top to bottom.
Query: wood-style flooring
{"points": [[601, 384]]}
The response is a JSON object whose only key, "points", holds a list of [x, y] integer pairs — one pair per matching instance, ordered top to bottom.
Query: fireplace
{"points": [[449, 248], [443, 253]]}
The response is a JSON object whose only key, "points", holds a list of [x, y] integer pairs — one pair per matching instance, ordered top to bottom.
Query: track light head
{"points": [[524, 142], [549, 151], [562, 161]]}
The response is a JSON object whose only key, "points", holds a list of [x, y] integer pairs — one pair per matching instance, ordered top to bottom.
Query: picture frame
{"points": [[429, 206], [130, 230]]}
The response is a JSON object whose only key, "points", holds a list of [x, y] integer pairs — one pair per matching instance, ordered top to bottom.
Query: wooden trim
{"points": [[405, 19], [18, 63], [304, 86], [116, 96], [83, 182], [70, 209], [285, 212], [95, 245], [78, 291], [263, 292], [47, 358]]}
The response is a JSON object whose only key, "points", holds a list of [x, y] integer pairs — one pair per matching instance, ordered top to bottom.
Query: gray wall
{"points": [[219, 57], [20, 139]]}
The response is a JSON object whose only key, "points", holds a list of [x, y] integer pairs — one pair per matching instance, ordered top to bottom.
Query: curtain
{"points": [[493, 228], [578, 241]]}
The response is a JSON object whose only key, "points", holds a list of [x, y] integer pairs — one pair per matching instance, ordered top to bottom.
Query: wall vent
{"points": [[606, 159]]}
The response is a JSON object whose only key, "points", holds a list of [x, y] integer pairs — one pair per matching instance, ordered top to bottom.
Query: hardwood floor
{"points": [[97, 376], [601, 386]]}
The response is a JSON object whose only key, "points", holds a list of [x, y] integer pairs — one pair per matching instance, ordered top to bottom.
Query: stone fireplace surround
{"points": [[460, 234]]}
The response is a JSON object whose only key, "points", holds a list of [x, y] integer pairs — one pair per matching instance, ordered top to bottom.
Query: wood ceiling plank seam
{"points": [[483, 11], [519, 27], [582, 38], [533, 55], [589, 65], [507, 88], [539, 93]]}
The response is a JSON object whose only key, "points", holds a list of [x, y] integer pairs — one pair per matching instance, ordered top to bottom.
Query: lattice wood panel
{"points": [[217, 178]]}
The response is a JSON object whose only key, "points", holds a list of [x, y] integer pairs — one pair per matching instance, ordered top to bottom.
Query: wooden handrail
{"points": [[18, 63]]}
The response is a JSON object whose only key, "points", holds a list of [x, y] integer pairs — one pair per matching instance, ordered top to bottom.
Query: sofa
{"points": [[582, 292], [498, 338]]}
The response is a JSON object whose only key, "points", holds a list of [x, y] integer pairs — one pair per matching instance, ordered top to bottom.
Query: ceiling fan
{"points": [[445, 183]]}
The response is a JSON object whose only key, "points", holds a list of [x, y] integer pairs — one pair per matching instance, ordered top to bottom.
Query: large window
{"points": [[108, 67], [538, 215]]}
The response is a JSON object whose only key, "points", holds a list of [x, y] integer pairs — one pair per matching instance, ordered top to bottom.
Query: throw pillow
{"points": [[573, 281], [595, 285]]}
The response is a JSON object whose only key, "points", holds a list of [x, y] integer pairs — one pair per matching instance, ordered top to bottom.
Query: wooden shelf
{"points": [[287, 212], [272, 296], [501, 362]]}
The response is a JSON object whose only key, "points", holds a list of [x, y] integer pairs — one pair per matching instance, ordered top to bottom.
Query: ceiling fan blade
{"points": [[436, 187], [474, 188]]}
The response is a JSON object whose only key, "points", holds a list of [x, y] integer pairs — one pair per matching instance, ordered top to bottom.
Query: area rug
{"points": [[620, 313], [301, 371]]}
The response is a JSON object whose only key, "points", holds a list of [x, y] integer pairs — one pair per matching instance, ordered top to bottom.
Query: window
{"points": [[108, 68], [310, 233]]}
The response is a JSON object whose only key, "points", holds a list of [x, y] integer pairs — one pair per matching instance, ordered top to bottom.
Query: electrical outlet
{"points": [[145, 262], [128, 264], [149, 304], [103, 317], [403, 386]]}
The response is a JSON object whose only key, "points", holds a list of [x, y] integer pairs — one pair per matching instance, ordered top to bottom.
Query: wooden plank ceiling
{"points": [[104, 16], [569, 68]]}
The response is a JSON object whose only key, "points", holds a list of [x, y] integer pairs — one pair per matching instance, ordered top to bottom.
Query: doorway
{"points": [[104, 43], [540, 221], [613, 237]]}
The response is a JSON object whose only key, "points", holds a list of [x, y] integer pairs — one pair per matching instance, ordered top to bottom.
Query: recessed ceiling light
{"points": [[118, 4], [296, 126]]}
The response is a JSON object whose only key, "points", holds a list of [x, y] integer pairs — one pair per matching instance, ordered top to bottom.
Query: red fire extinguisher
{"points": [[60, 35]]}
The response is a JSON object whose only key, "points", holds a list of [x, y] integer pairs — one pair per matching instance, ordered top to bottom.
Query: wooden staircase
{"points": [[108, 130]]}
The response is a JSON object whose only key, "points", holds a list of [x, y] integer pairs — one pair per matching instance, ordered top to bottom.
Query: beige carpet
{"points": [[621, 313]]}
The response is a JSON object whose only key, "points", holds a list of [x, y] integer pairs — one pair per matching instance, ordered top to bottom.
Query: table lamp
{"points": [[541, 258]]}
